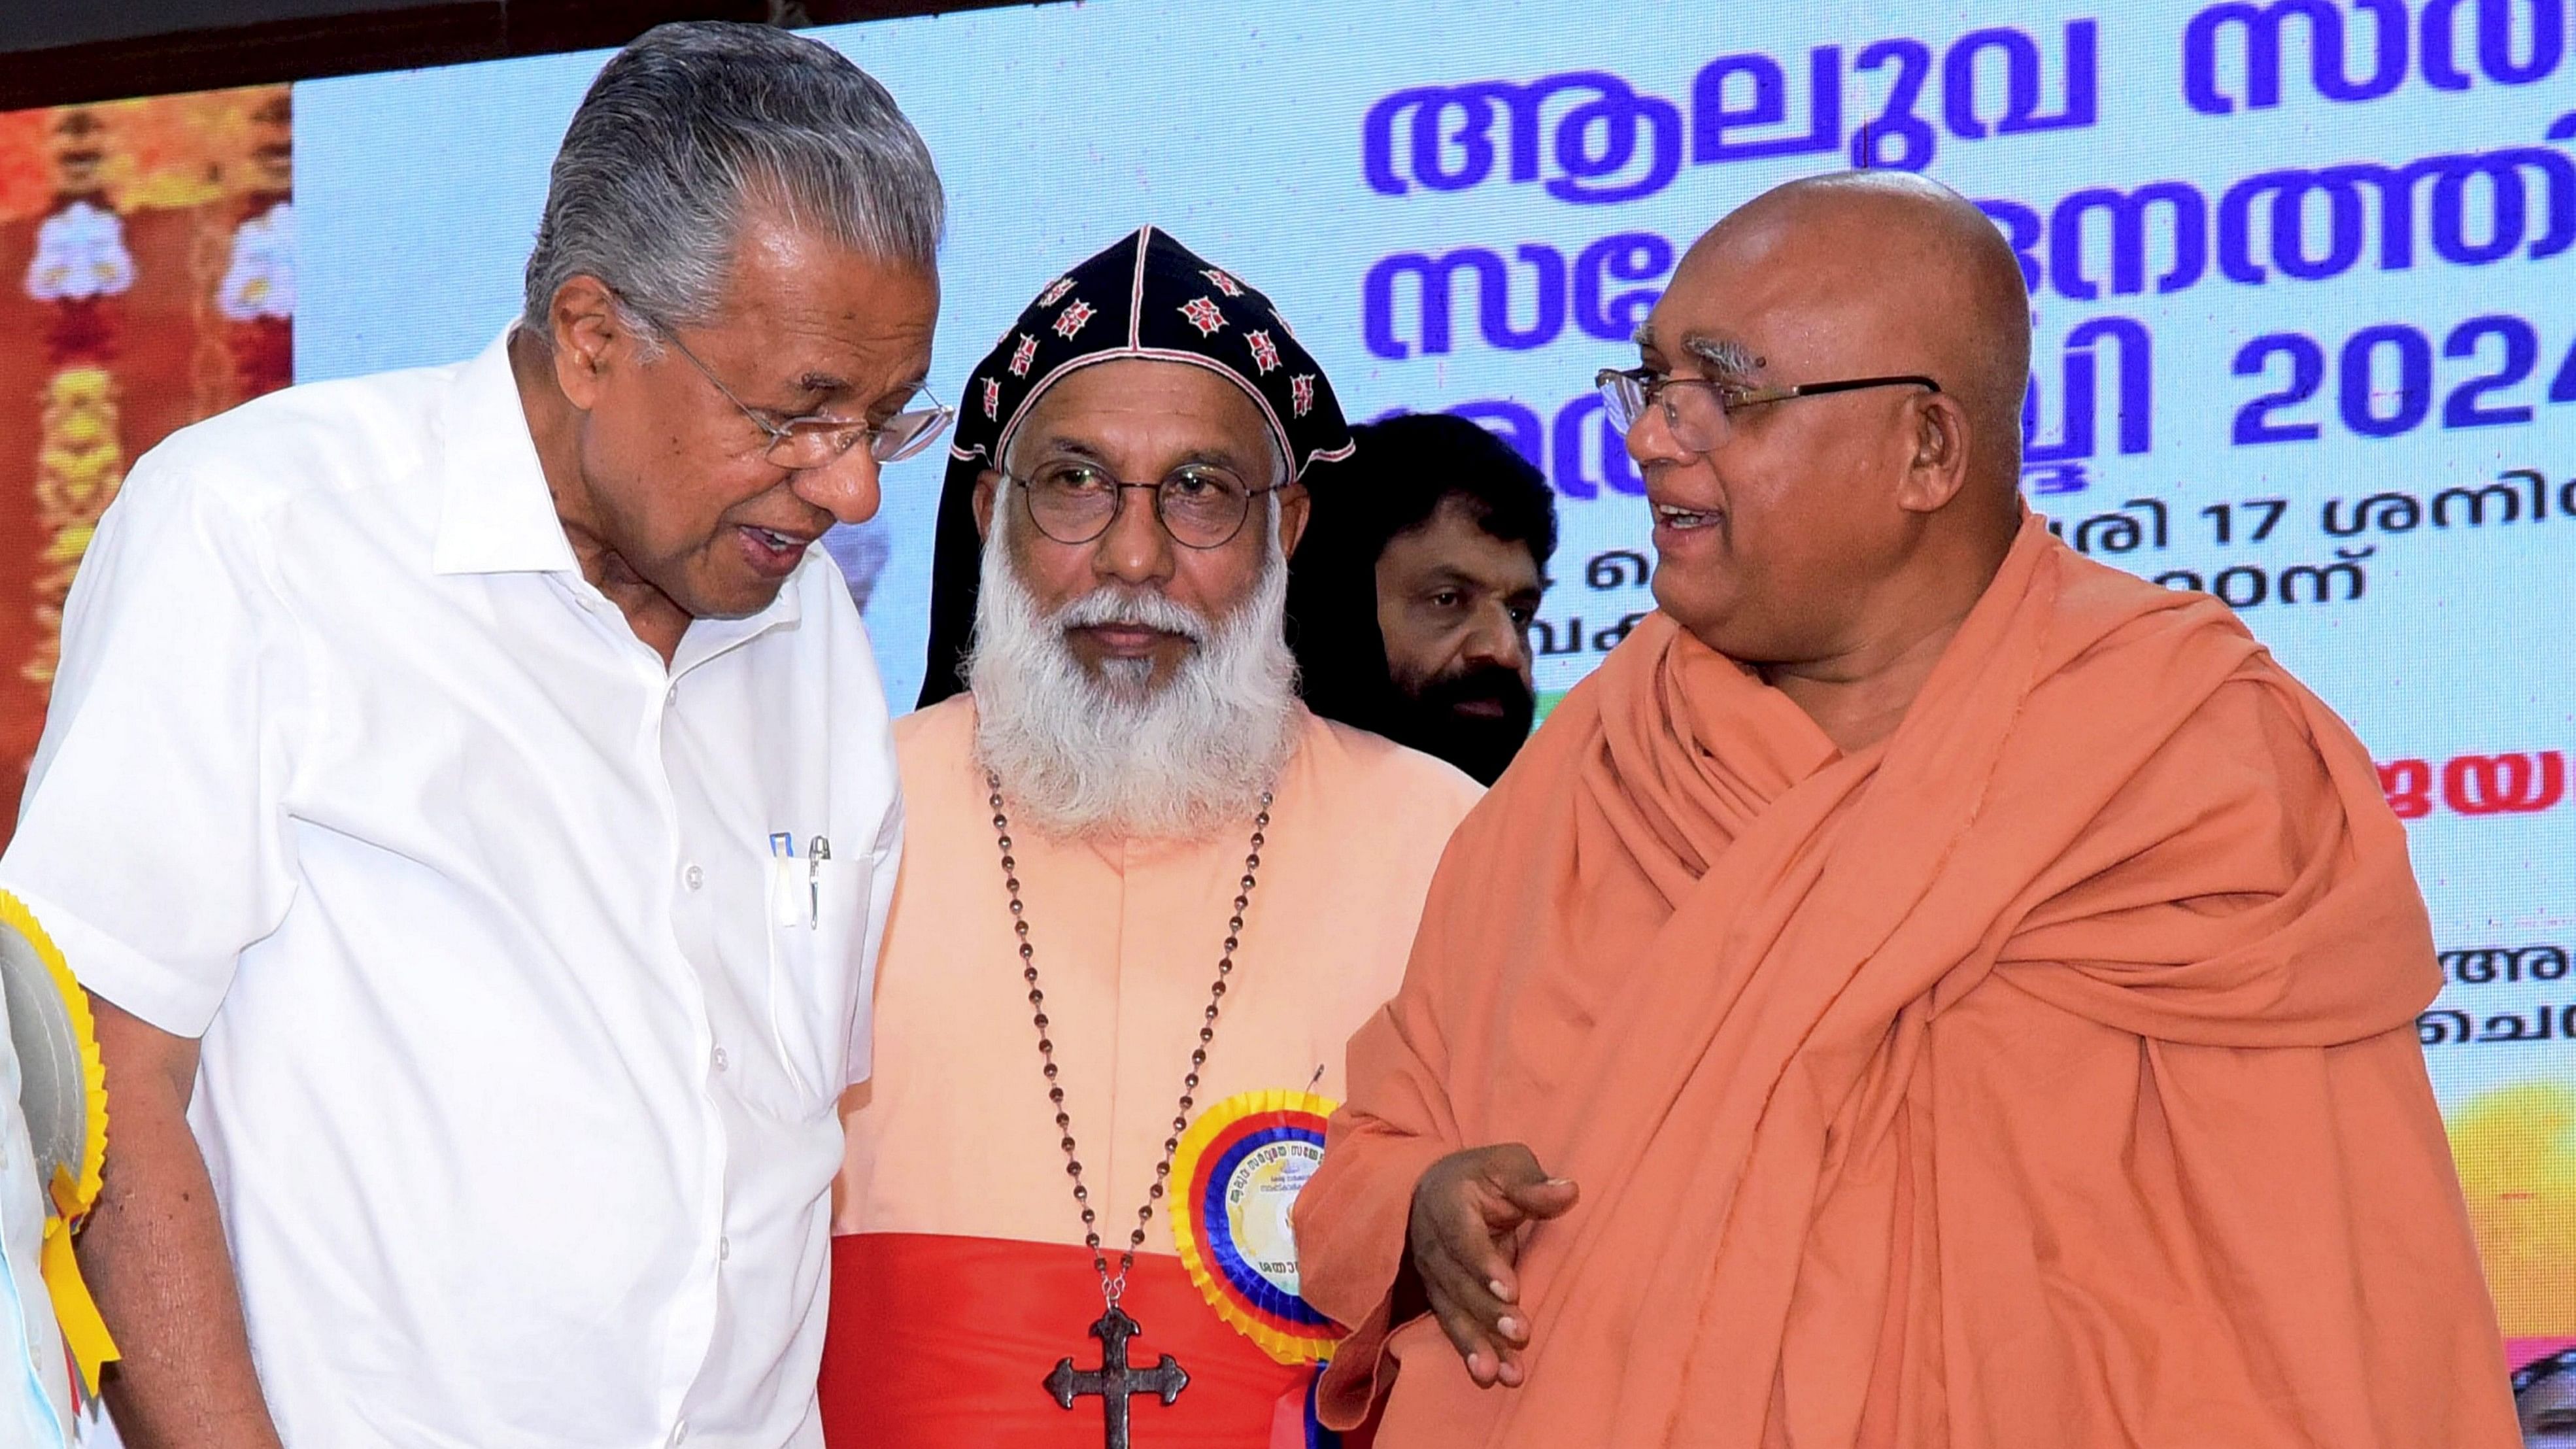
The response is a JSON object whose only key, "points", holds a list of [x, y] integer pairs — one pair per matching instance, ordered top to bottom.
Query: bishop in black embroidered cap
{"points": [[1145, 297]]}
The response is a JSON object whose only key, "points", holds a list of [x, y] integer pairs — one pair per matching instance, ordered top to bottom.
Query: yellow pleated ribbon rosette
{"points": [[1239, 1168], [74, 1182]]}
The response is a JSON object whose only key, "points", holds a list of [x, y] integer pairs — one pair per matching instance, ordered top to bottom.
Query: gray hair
{"points": [[692, 121]]}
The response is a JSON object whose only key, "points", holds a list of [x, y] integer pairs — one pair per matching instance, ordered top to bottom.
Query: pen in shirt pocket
{"points": [[815, 854], [782, 880]]}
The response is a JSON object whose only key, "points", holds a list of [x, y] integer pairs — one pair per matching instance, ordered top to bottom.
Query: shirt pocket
{"points": [[818, 921]]}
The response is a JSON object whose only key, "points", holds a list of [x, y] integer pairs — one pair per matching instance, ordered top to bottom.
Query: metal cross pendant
{"points": [[1114, 1382]]}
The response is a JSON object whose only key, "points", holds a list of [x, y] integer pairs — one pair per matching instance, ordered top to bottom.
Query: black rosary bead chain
{"points": [[1114, 1287]]}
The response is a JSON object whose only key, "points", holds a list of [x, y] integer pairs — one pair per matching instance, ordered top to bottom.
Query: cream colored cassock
{"points": [[954, 1137]]}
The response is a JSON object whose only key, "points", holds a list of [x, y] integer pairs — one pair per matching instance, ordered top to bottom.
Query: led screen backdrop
{"points": [[2304, 275], [146, 279]]}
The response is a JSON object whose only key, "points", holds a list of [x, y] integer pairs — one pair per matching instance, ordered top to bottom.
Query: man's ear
{"points": [[584, 324], [1939, 468], [987, 484], [1296, 505]]}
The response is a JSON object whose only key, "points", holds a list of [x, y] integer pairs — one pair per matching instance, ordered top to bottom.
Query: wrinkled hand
{"points": [[1465, 1236]]}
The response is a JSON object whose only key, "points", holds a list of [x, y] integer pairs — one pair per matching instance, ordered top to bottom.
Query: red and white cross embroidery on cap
{"points": [[1224, 283], [1055, 291], [1203, 315], [1070, 320], [1265, 353], [1023, 355], [1301, 392], [993, 398]]}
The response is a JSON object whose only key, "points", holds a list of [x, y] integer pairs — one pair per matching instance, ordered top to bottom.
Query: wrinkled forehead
{"points": [[781, 273], [1768, 300], [1172, 408]]}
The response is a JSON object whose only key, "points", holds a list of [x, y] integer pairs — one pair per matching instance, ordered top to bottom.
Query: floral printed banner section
{"points": [[147, 280]]}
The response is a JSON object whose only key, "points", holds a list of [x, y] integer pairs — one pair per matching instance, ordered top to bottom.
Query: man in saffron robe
{"points": [[1128, 785], [1925, 988]]}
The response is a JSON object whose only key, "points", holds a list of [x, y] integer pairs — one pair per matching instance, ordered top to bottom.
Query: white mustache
{"points": [[1134, 609], [1110, 753]]}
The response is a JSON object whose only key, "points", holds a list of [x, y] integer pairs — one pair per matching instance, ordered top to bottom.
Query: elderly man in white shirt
{"points": [[468, 797]]}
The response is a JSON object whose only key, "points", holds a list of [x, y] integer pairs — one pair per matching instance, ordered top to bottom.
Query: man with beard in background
{"points": [[1411, 598], [1146, 897]]}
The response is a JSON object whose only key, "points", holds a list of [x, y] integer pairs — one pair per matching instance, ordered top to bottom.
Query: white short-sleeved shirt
{"points": [[521, 1041]]}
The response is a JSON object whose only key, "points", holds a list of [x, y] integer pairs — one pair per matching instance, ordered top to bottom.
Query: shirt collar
{"points": [[496, 514], [709, 638]]}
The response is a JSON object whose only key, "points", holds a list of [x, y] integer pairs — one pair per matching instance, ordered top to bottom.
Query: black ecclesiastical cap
{"points": [[1147, 296]]}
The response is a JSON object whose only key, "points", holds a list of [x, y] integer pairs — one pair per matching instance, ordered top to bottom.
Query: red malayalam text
{"points": [[2520, 783]]}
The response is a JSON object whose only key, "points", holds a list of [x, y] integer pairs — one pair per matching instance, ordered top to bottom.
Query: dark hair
{"points": [[1409, 464], [1404, 469]]}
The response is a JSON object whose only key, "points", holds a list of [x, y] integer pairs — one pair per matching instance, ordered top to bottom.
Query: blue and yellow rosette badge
{"points": [[63, 1091], [1240, 1167]]}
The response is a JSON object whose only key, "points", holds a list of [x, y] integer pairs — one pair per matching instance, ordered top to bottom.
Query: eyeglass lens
{"points": [[1691, 409], [815, 443], [1075, 503]]}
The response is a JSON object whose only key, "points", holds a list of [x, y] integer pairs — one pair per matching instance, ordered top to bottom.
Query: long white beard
{"points": [[1114, 755]]}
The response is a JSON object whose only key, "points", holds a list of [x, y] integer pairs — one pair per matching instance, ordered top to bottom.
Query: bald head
{"points": [[1921, 267], [1802, 529]]}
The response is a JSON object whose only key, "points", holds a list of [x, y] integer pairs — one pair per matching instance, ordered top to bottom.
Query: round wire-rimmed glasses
{"points": [[1701, 412], [1074, 502]]}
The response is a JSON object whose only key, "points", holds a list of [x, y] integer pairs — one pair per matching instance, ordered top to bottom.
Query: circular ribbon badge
{"points": [[62, 1090], [1240, 1167]]}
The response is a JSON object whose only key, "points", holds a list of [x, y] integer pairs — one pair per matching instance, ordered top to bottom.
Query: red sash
{"points": [[938, 1342]]}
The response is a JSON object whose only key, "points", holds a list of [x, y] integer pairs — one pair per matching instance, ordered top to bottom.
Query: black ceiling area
{"points": [[58, 52]]}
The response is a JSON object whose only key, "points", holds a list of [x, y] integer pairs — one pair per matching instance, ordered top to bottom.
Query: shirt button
{"points": [[673, 697], [694, 876], [720, 1059], [724, 1249], [679, 1431]]}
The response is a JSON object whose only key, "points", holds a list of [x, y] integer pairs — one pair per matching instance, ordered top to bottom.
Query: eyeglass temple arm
{"points": [[1854, 384]]}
